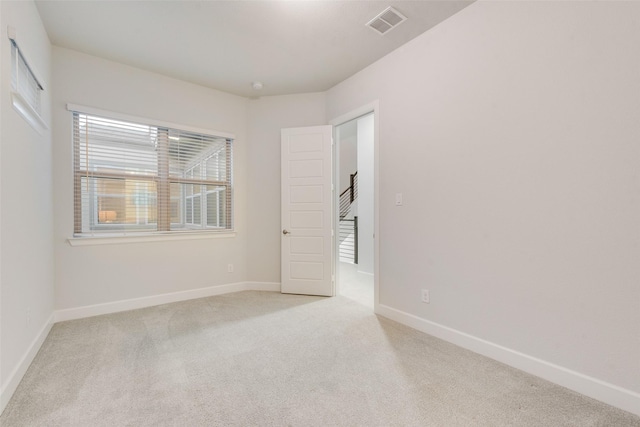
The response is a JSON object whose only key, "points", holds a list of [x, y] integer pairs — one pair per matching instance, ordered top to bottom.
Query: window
{"points": [[26, 89], [137, 178]]}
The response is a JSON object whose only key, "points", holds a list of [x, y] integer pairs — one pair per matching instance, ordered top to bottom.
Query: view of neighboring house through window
{"points": [[136, 178]]}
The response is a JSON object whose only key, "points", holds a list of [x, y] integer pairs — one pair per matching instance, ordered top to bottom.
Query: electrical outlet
{"points": [[230, 268], [425, 296]]}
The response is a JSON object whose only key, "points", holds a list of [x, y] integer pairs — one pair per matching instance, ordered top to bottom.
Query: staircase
{"points": [[348, 227]]}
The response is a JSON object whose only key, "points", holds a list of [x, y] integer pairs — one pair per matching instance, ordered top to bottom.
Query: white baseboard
{"points": [[263, 286], [150, 301], [10, 386], [611, 394]]}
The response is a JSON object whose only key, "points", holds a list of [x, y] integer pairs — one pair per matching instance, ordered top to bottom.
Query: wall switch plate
{"points": [[398, 199], [230, 268], [425, 296]]}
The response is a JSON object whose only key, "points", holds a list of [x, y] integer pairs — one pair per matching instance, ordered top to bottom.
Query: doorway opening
{"points": [[355, 249]]}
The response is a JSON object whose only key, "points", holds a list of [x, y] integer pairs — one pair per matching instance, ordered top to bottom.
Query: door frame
{"points": [[373, 107]]}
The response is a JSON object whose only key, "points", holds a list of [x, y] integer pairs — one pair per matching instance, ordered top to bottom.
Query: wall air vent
{"points": [[386, 20]]}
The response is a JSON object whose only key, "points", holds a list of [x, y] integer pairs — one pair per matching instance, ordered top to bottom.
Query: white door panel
{"points": [[306, 211]]}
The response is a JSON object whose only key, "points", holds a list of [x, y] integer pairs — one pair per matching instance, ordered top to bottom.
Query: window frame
{"points": [[102, 231]]}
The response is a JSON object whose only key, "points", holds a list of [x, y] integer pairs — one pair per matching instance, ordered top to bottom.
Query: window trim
{"points": [[135, 237], [110, 239]]}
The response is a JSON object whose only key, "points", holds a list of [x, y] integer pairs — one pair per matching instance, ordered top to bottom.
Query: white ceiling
{"points": [[290, 46]]}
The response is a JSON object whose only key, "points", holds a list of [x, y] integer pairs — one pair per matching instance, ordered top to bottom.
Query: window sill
{"points": [[28, 113], [117, 240]]}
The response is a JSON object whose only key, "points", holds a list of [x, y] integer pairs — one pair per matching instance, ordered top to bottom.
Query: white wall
{"points": [[267, 115], [365, 126], [512, 130], [26, 269], [89, 275]]}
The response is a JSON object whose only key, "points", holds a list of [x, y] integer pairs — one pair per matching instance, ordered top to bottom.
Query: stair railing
{"points": [[349, 195], [349, 226], [348, 246]]}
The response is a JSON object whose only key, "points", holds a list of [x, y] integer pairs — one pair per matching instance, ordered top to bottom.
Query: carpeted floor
{"points": [[262, 358]]}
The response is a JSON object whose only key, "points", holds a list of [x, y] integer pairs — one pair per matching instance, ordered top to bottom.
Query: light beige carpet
{"points": [[262, 358]]}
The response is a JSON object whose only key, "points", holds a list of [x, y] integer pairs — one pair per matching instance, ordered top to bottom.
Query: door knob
{"points": [[285, 232]]}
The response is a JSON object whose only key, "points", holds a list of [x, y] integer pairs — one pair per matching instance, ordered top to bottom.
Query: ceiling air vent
{"points": [[386, 20]]}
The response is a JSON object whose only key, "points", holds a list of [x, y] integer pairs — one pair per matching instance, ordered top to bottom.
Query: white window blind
{"points": [[26, 90], [137, 178]]}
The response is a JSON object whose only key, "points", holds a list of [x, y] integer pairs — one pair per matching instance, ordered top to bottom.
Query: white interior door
{"points": [[306, 211]]}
